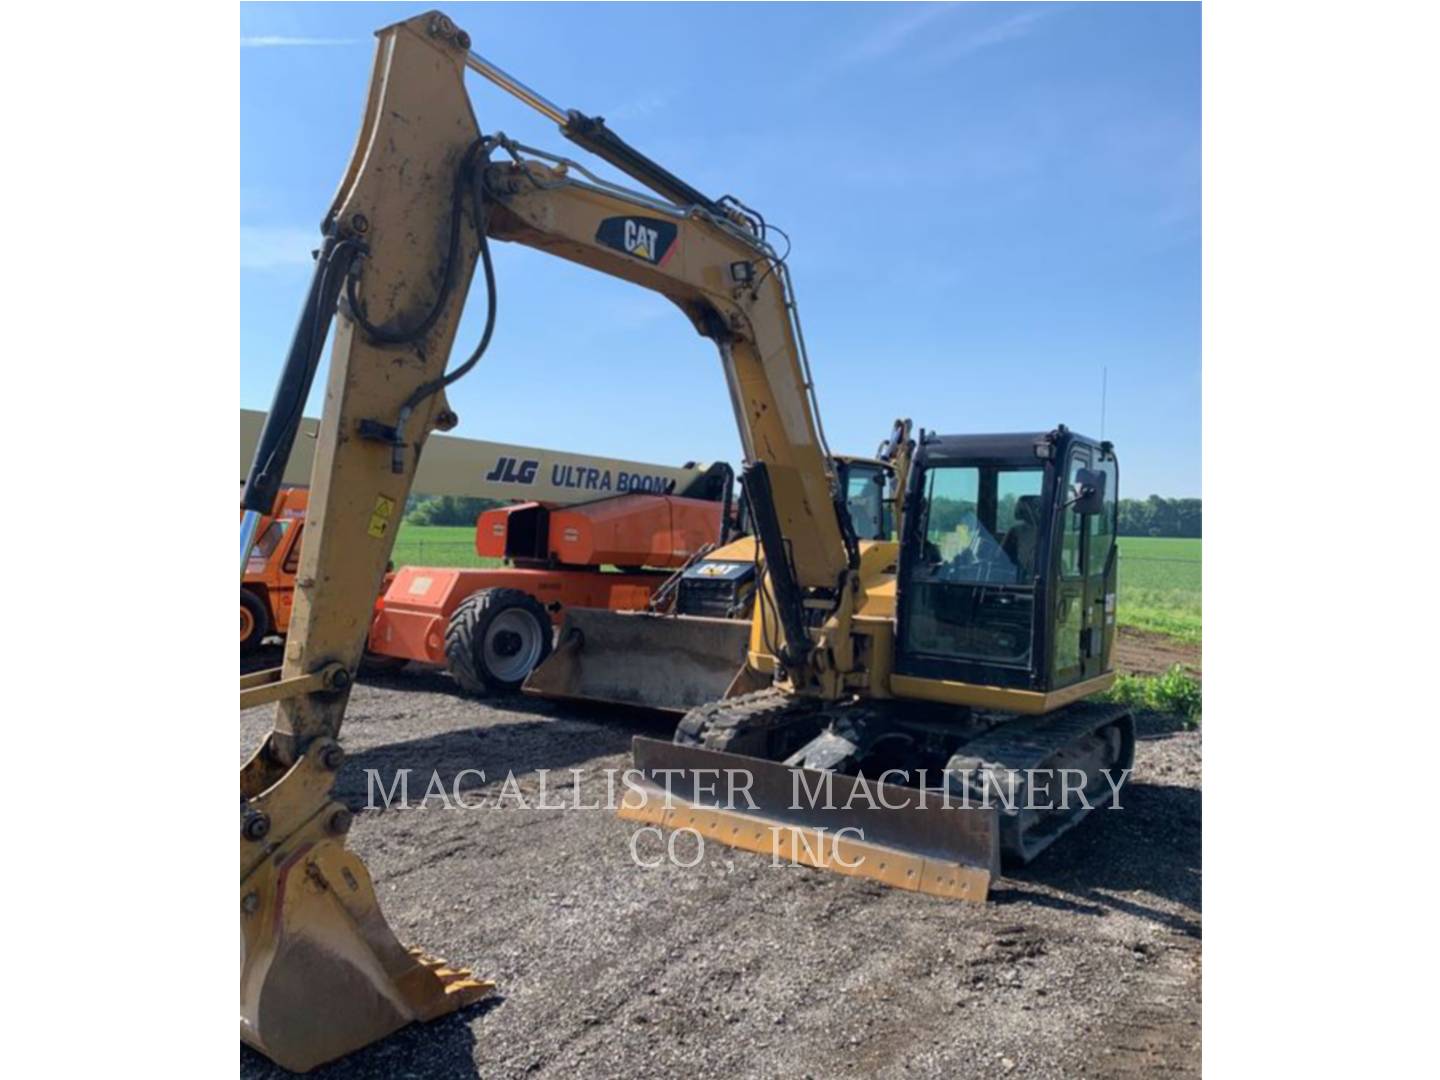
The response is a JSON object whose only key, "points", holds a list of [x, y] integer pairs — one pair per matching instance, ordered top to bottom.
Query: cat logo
{"points": [[644, 238], [640, 239], [718, 569]]}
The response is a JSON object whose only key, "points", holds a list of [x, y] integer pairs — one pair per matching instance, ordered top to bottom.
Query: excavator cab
{"points": [[867, 500], [1007, 566], [1002, 622]]}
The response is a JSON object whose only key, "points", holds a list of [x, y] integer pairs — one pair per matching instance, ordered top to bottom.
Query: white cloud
{"points": [[1007, 29], [892, 35], [929, 40], [275, 41], [637, 107], [270, 247]]}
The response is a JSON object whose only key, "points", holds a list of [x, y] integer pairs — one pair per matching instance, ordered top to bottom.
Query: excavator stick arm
{"points": [[321, 972]]}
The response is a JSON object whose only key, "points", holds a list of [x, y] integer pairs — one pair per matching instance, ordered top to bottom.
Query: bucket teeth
{"points": [[322, 973], [454, 981]]}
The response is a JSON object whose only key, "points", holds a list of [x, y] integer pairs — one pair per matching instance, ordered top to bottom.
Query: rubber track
{"points": [[732, 722], [1027, 743]]}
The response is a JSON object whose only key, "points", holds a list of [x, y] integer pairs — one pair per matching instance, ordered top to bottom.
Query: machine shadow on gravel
{"points": [[262, 659], [420, 680], [636, 721], [496, 750], [1152, 845], [444, 1047]]}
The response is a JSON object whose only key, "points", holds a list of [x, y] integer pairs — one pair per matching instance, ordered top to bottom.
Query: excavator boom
{"points": [[424, 191]]}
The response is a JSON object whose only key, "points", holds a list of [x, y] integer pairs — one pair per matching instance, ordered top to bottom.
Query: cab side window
{"points": [[865, 501], [1072, 525], [1102, 525], [292, 557]]}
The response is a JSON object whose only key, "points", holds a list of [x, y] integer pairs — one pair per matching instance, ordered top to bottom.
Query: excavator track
{"points": [[757, 724], [1096, 739], [726, 777], [1012, 784]]}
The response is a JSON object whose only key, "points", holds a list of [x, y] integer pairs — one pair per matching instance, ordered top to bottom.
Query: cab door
{"points": [[1099, 550], [1085, 585], [1074, 588]]}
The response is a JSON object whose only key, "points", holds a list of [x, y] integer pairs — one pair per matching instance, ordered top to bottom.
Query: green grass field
{"points": [[437, 545], [1159, 578], [1160, 585]]}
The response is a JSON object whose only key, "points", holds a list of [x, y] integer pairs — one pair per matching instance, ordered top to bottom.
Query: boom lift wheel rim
{"points": [[513, 644]]}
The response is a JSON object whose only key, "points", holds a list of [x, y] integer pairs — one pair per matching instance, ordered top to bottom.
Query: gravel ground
{"points": [[1086, 963]]}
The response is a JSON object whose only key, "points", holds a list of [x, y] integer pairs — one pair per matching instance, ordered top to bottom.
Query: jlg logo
{"points": [[645, 238], [509, 471]]}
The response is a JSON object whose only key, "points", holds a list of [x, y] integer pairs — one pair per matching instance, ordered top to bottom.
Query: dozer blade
{"points": [[667, 662], [899, 836], [321, 972]]}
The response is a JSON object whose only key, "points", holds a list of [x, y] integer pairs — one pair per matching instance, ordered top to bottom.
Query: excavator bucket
{"points": [[666, 662], [903, 837], [321, 972]]}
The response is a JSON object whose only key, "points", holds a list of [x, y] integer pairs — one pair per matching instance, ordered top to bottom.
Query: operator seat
{"points": [[1023, 538]]}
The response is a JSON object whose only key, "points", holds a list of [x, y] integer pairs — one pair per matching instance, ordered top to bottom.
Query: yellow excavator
{"points": [[967, 638]]}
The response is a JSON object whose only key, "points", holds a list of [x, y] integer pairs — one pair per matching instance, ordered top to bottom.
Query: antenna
{"points": [[1104, 385]]}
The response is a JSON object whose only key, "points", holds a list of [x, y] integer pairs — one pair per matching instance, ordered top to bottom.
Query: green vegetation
{"points": [[445, 509], [1158, 516], [437, 545], [1159, 578], [1160, 585], [1176, 692]]}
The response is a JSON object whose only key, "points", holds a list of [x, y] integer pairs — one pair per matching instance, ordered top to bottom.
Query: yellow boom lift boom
{"points": [[853, 678]]}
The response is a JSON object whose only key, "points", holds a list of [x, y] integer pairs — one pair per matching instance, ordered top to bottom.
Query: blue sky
{"points": [[990, 204]]}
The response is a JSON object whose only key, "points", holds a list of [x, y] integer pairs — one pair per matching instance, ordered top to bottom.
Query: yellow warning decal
{"points": [[380, 517]]}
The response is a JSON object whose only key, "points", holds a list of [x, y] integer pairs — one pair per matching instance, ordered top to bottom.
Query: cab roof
{"points": [[1008, 446]]}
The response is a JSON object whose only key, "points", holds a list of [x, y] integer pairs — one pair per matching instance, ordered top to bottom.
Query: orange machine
{"points": [[267, 590], [490, 627]]}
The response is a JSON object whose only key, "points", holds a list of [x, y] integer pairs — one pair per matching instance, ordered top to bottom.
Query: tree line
{"points": [[446, 509], [1158, 516]]}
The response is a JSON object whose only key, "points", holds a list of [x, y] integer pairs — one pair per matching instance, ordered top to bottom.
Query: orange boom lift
{"points": [[490, 627]]}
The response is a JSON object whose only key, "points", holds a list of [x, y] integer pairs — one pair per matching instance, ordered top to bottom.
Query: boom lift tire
{"points": [[254, 622], [495, 639]]}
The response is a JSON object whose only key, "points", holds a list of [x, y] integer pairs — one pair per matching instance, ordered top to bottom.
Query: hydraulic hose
{"points": [[465, 178], [272, 452]]}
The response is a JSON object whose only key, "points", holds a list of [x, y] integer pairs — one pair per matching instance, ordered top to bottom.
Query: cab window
{"points": [[865, 502], [1074, 522], [982, 524], [1102, 525], [266, 545], [292, 557], [971, 592]]}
